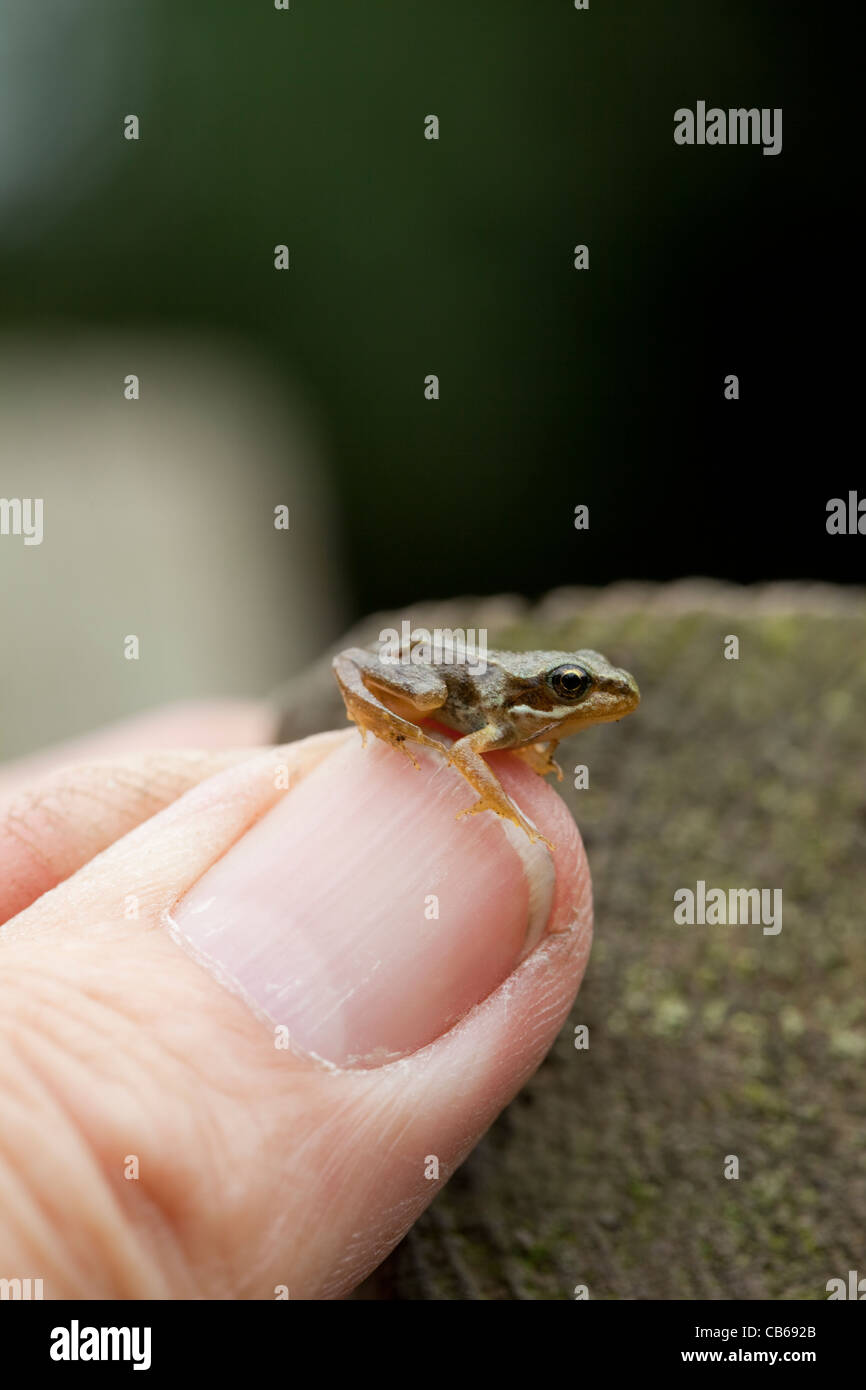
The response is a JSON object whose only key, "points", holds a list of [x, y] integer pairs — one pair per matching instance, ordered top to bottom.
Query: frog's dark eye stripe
{"points": [[570, 682]]}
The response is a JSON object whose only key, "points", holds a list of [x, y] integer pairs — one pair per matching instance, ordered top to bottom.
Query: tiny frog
{"points": [[522, 701]]}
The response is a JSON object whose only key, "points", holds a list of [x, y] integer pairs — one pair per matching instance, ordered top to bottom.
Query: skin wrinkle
{"points": [[158, 781], [49, 801], [17, 826], [87, 993], [69, 999], [100, 1023], [90, 1028], [41, 1055], [359, 1181], [84, 1185], [28, 1226], [31, 1228], [160, 1238], [369, 1246], [364, 1250]]}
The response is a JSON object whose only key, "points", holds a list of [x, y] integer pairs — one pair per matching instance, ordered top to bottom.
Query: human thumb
{"points": [[263, 1028]]}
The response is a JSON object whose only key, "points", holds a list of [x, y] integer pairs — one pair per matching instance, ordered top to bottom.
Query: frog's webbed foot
{"points": [[366, 710], [465, 755], [539, 756]]}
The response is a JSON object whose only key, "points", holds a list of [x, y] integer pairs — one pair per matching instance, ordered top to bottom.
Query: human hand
{"points": [[157, 1138]]}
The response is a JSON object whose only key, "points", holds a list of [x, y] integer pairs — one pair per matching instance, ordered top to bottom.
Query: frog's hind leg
{"points": [[413, 690]]}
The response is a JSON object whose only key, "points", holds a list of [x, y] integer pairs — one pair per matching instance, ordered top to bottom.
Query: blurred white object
{"points": [[158, 521]]}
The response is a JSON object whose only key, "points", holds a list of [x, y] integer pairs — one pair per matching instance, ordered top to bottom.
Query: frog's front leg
{"points": [[413, 691], [466, 756], [539, 756]]}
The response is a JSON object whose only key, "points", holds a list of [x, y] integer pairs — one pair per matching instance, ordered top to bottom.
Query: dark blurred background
{"points": [[454, 257]]}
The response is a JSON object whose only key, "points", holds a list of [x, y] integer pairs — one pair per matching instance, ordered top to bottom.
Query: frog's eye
{"points": [[570, 682]]}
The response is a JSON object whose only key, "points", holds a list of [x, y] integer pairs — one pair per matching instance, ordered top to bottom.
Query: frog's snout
{"points": [[630, 694]]}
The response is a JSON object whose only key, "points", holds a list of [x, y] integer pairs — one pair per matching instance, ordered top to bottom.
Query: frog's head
{"points": [[588, 690], [566, 691]]}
